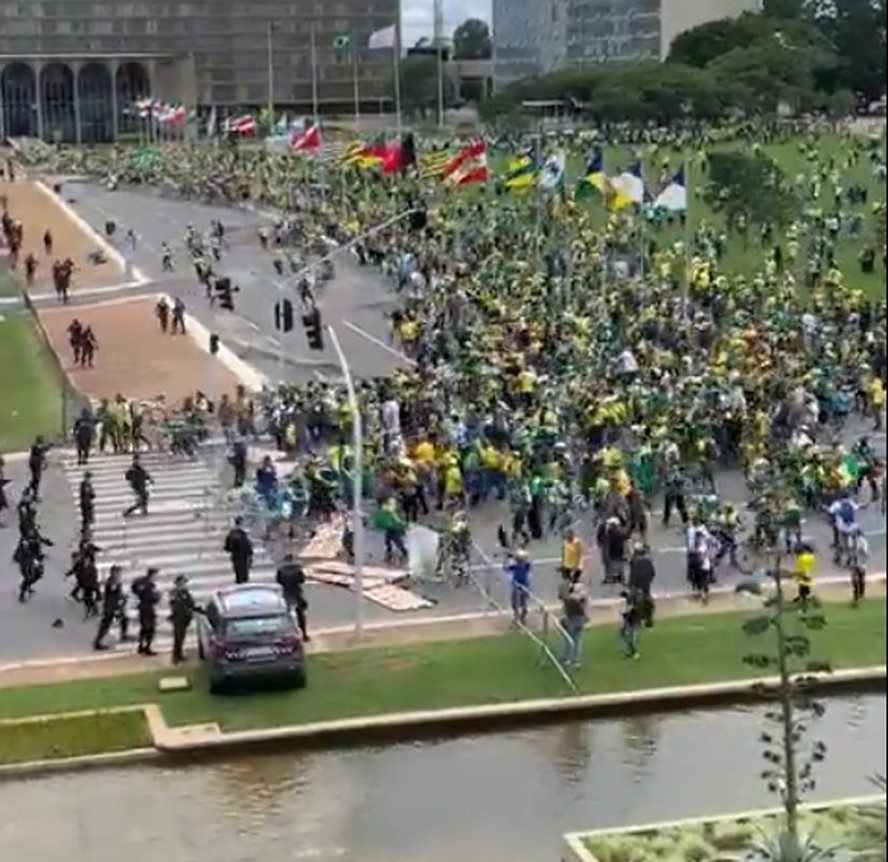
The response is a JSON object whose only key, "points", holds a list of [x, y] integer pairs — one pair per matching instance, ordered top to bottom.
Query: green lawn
{"points": [[745, 259], [31, 401], [677, 651], [73, 736]]}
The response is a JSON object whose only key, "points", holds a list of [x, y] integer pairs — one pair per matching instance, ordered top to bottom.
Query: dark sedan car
{"points": [[248, 635]]}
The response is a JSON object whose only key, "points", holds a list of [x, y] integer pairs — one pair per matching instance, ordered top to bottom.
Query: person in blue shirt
{"points": [[518, 567]]}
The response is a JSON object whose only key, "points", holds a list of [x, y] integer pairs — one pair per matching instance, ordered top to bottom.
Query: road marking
{"points": [[92, 291], [378, 342]]}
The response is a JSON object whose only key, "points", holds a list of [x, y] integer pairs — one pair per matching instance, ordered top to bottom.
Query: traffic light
{"points": [[225, 293], [283, 316], [314, 331], [214, 344]]}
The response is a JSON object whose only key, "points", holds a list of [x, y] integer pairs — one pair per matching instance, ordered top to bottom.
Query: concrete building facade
{"points": [[532, 38], [73, 68]]}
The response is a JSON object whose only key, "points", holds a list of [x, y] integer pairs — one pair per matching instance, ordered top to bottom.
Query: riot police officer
{"points": [[87, 498], [291, 577], [147, 597], [113, 606], [182, 610]]}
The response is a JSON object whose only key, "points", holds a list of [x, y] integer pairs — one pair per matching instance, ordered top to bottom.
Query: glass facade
{"points": [[532, 38], [227, 39]]}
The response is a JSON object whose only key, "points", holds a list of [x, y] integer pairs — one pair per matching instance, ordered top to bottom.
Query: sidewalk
{"points": [[426, 630]]}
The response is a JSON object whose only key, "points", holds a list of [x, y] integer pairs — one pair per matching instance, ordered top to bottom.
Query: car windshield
{"points": [[248, 627]]}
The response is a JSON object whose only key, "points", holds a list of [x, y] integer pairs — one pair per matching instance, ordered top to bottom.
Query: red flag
{"points": [[245, 126], [307, 141], [466, 154], [391, 159], [472, 169]]}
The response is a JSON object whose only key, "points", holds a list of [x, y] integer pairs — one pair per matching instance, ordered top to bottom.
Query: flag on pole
{"points": [[383, 39], [342, 43], [212, 122], [309, 140], [469, 166], [521, 172], [552, 174], [594, 180], [628, 187], [673, 198]]}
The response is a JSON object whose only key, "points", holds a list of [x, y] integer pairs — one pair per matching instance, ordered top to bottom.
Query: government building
{"points": [[533, 37], [72, 70]]}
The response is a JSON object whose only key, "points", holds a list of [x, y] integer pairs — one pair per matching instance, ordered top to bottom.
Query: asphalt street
{"points": [[354, 303]]}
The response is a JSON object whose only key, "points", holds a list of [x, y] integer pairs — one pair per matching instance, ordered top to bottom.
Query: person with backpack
{"points": [[843, 513]]}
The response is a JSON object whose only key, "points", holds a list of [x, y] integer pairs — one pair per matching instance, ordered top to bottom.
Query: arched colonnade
{"points": [[71, 101]]}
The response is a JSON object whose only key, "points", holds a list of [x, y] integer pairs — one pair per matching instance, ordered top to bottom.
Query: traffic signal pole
{"points": [[357, 484]]}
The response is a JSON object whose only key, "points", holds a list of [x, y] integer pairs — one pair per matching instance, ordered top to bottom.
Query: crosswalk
{"points": [[182, 534]]}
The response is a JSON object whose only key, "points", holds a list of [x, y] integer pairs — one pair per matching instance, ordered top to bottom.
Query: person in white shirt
{"points": [[845, 524], [698, 545]]}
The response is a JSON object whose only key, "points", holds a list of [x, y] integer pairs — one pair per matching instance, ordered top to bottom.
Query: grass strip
{"points": [[31, 400], [677, 651], [72, 736]]}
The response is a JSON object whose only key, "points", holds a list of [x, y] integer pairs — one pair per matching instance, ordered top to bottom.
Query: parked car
{"points": [[247, 634]]}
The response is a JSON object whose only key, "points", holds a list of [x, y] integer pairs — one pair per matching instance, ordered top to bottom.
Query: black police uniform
{"points": [[291, 577], [147, 596], [113, 606], [182, 610]]}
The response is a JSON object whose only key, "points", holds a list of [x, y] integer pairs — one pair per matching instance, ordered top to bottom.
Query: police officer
{"points": [[84, 436], [37, 464], [138, 479], [87, 497], [240, 549], [86, 576], [291, 577], [147, 596], [113, 605], [182, 610]]}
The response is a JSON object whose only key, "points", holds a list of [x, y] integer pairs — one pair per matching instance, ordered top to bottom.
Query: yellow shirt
{"points": [[877, 393], [424, 453], [572, 554], [804, 569]]}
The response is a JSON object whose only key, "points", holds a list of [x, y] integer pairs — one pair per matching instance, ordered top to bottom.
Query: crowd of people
{"points": [[565, 358]]}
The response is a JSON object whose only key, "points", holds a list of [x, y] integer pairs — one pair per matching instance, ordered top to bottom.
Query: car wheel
{"points": [[299, 679], [217, 686]]}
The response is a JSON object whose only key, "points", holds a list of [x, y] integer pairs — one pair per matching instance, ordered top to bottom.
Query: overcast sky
{"points": [[417, 16]]}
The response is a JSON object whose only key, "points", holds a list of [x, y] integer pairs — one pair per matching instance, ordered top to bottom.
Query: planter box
{"points": [[853, 823]]}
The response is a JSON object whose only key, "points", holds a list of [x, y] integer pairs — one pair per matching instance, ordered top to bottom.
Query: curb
{"points": [[78, 220], [250, 377], [490, 623], [415, 725], [208, 740], [574, 850]]}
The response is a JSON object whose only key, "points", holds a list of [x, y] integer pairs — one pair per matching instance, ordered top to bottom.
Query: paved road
{"points": [[354, 303]]}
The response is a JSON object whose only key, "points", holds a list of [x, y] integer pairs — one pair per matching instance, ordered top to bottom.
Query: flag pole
{"points": [[269, 50], [396, 62], [314, 73], [356, 86]]}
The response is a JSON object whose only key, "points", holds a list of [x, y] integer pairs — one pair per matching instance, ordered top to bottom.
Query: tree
{"points": [[857, 30], [471, 41], [700, 45], [419, 85], [750, 187], [790, 770]]}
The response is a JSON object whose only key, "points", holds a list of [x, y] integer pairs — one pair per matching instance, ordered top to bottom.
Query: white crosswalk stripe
{"points": [[183, 533]]}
